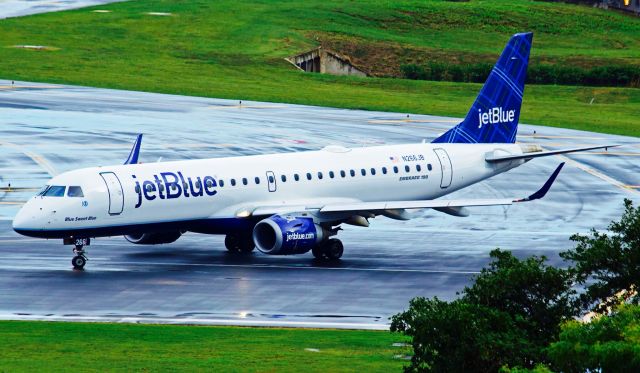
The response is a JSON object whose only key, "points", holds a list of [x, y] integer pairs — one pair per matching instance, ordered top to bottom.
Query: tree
{"points": [[608, 262], [539, 297], [506, 318], [459, 337], [606, 344]]}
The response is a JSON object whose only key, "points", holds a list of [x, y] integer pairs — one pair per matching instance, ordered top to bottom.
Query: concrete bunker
{"points": [[324, 61]]}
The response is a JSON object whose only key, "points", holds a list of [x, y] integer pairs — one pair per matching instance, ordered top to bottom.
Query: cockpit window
{"points": [[43, 190], [54, 191], [75, 191]]}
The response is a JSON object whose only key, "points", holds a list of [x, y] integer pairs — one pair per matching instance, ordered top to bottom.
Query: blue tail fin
{"points": [[493, 118]]}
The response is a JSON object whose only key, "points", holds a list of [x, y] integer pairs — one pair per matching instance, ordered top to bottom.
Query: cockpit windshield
{"points": [[43, 190], [54, 191], [58, 191], [75, 191]]}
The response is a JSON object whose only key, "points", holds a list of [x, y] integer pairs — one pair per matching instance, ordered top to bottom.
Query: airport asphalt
{"points": [[19, 8], [47, 129]]}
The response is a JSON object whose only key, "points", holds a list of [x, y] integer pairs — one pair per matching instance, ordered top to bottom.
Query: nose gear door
{"points": [[116, 195]]}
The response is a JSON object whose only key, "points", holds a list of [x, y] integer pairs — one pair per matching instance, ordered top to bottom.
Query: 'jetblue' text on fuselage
{"points": [[170, 185]]}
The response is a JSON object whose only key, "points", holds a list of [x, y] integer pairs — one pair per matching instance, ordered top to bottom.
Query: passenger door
{"points": [[445, 166], [116, 195]]}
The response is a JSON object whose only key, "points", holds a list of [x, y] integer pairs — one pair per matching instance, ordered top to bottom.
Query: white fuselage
{"points": [[124, 198]]}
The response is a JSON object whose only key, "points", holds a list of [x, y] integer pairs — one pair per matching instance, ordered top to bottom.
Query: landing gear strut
{"points": [[239, 244], [331, 249], [80, 259]]}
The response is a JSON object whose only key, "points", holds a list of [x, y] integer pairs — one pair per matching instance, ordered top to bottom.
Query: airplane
{"points": [[293, 203]]}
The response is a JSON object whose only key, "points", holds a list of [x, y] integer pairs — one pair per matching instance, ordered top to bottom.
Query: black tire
{"points": [[232, 243], [247, 246], [333, 249], [318, 251], [78, 262]]}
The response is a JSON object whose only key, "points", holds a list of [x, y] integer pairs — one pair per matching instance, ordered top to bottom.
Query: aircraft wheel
{"points": [[232, 243], [247, 246], [333, 249], [318, 251], [78, 262]]}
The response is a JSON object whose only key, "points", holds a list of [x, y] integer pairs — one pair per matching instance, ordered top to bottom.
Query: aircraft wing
{"points": [[499, 158], [442, 204], [452, 207]]}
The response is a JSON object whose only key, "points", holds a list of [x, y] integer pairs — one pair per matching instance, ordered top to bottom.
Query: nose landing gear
{"points": [[80, 259]]}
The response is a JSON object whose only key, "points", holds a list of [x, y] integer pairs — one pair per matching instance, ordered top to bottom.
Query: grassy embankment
{"points": [[233, 49], [51, 346]]}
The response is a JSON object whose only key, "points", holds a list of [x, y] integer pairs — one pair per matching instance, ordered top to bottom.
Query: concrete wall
{"points": [[325, 62]]}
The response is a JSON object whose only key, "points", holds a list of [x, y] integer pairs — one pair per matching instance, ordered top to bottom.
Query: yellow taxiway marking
{"points": [[27, 86], [217, 107], [398, 121], [562, 137], [616, 153], [40, 160], [598, 174], [18, 189], [12, 202]]}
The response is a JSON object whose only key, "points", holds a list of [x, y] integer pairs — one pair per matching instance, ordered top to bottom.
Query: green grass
{"points": [[233, 49], [68, 347]]}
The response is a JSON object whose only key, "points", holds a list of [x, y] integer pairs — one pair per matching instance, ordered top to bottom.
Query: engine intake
{"points": [[286, 235], [153, 238]]}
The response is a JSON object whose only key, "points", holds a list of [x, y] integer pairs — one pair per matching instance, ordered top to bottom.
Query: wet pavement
{"points": [[47, 129]]}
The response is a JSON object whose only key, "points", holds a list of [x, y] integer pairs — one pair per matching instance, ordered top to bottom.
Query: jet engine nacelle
{"points": [[286, 235], [153, 238]]}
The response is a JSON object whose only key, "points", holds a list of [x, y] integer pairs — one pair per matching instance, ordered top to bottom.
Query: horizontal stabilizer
{"points": [[500, 158]]}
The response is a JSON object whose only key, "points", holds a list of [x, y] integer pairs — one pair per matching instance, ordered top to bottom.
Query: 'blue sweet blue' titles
{"points": [[169, 185]]}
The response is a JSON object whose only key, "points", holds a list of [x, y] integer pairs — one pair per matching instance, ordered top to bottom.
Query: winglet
{"points": [[135, 151], [545, 188]]}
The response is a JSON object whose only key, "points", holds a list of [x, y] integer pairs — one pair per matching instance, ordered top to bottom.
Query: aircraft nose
{"points": [[24, 220]]}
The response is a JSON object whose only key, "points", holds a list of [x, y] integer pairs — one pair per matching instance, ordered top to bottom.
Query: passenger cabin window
{"points": [[429, 167], [407, 168], [418, 168], [395, 169], [384, 170], [373, 171], [363, 172], [352, 173], [331, 174], [343, 174], [320, 175], [308, 176], [296, 177], [283, 178], [271, 179], [257, 180], [244, 181], [233, 182], [221, 183], [55, 191], [75, 191]]}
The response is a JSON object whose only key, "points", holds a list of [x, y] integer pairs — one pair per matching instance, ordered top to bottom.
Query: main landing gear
{"points": [[239, 243], [331, 249], [80, 259]]}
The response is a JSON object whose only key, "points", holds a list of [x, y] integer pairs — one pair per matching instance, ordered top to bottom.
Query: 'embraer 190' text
{"points": [[495, 115], [170, 185]]}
